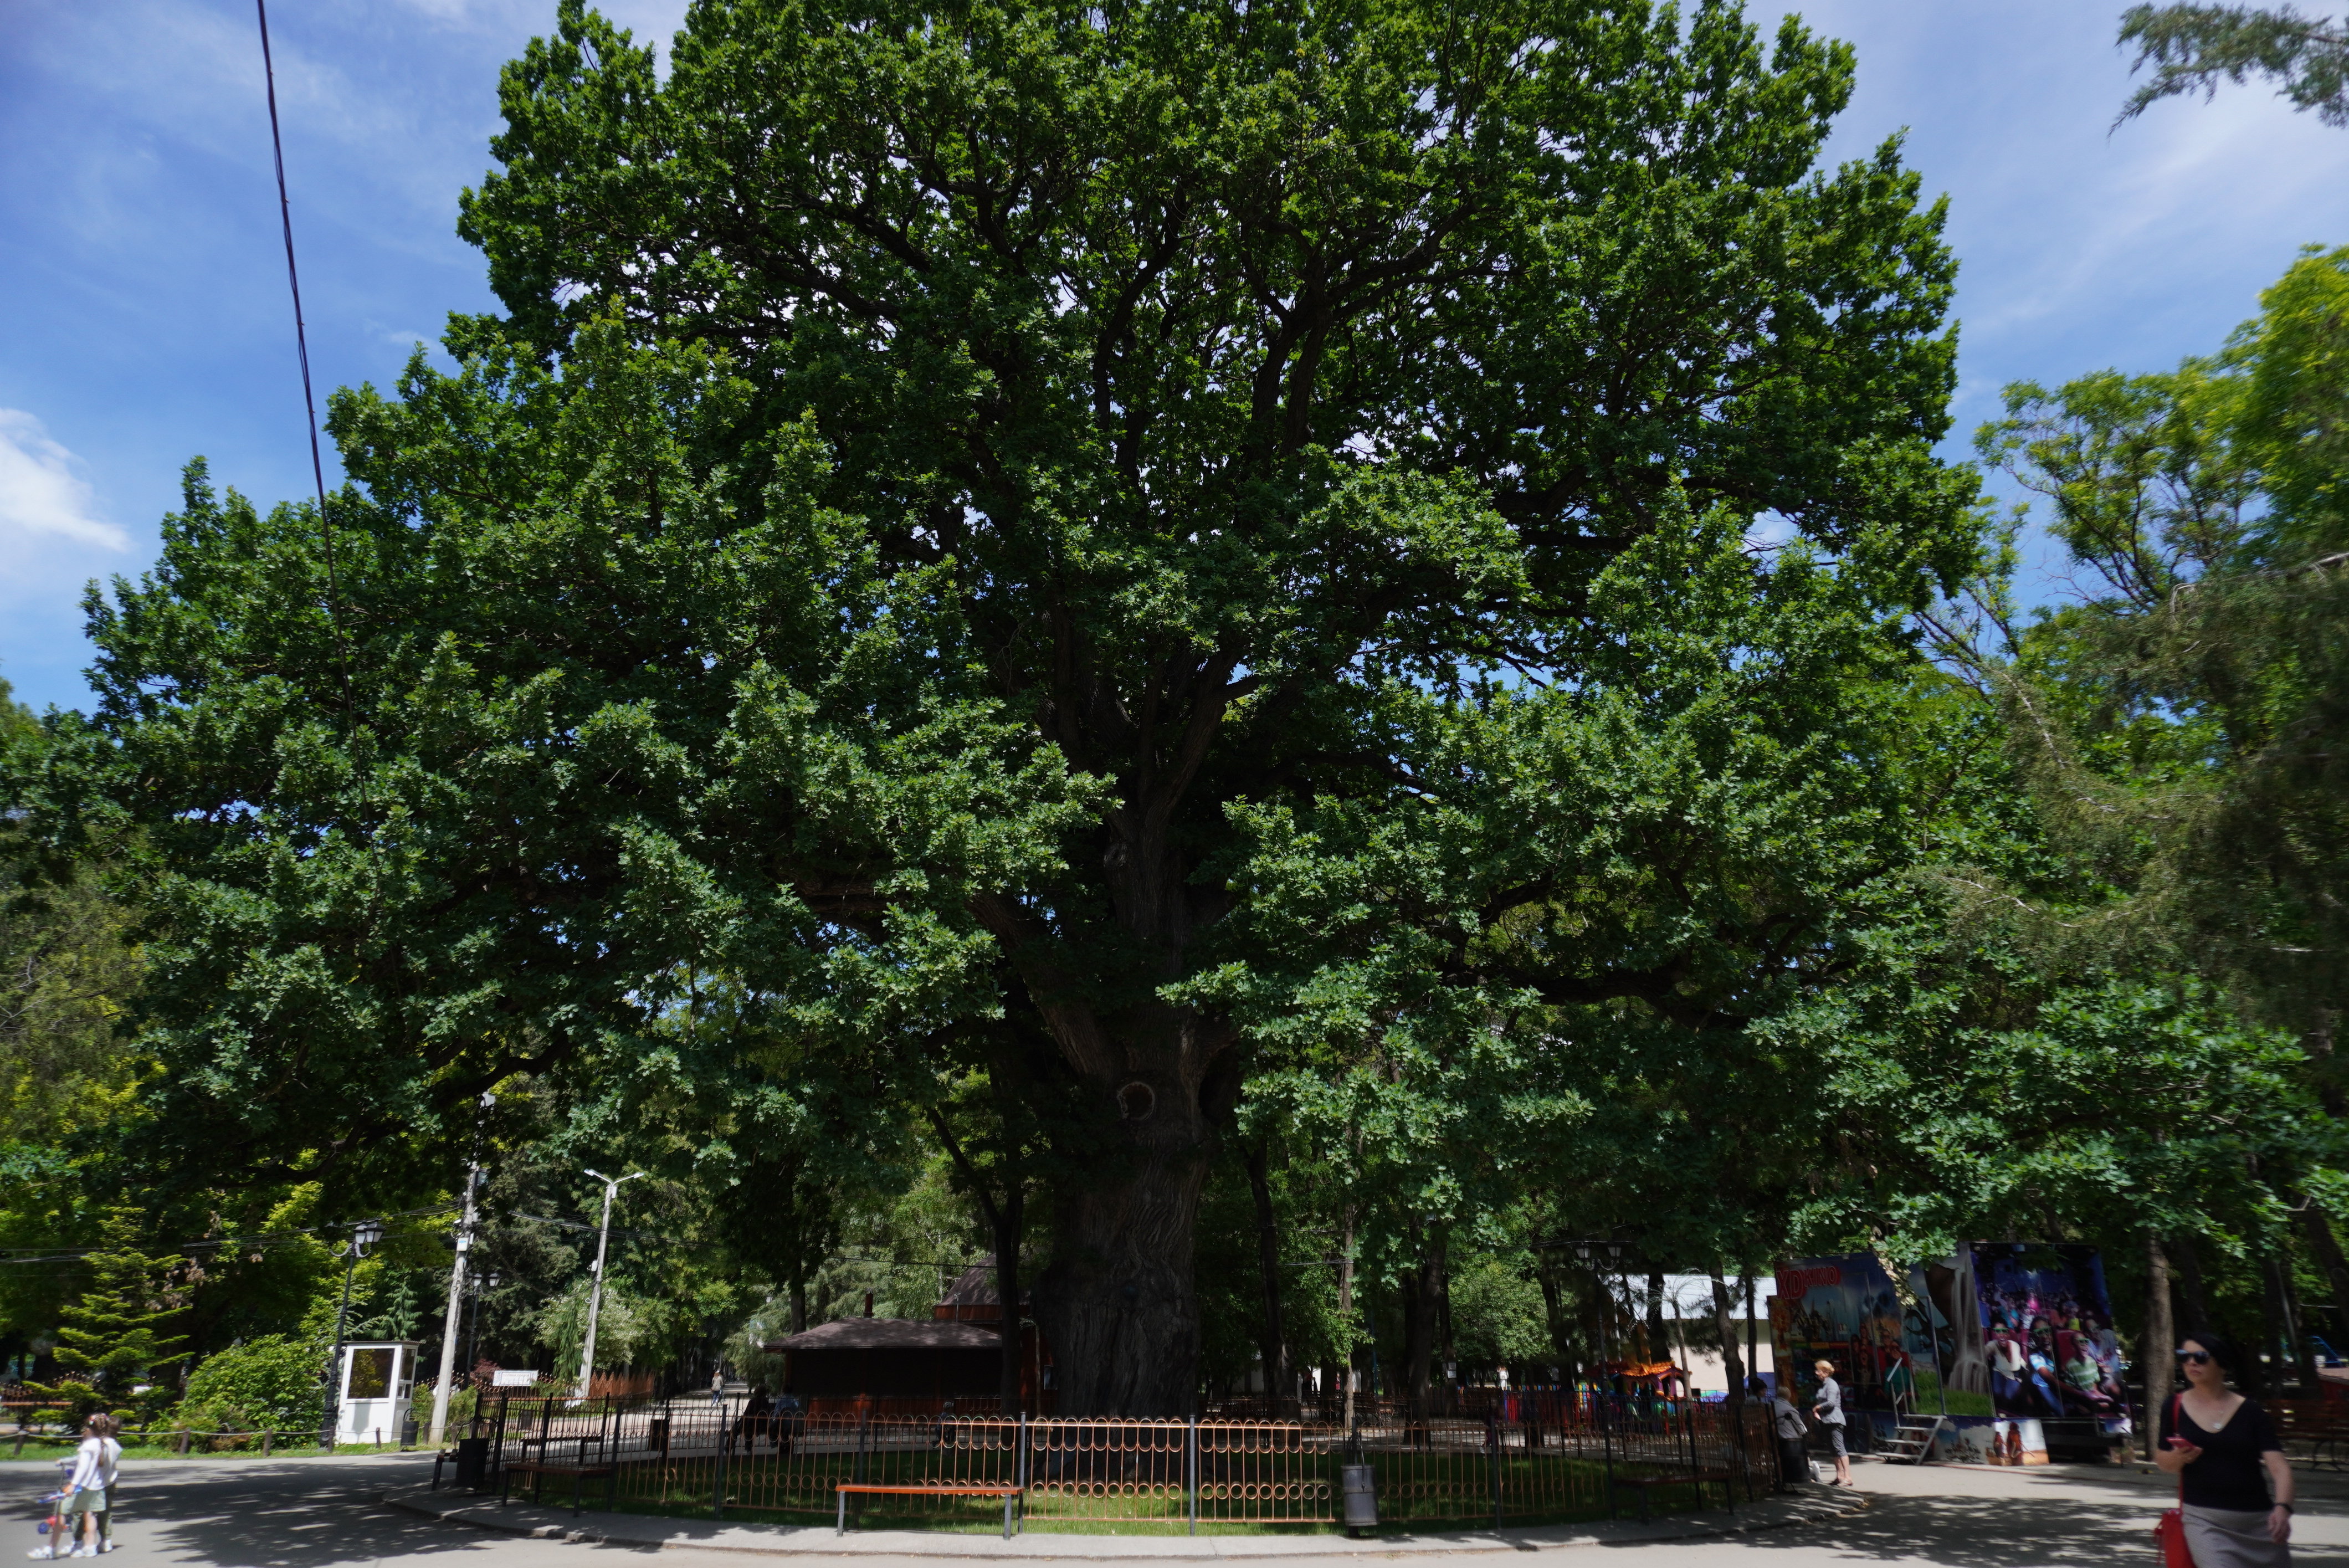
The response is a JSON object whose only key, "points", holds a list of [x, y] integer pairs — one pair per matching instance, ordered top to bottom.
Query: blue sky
{"points": [[143, 316]]}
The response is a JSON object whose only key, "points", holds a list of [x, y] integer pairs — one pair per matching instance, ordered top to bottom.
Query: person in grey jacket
{"points": [[1828, 1407], [1786, 1425]]}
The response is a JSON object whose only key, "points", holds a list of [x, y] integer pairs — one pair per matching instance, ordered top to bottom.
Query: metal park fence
{"points": [[1581, 1458]]}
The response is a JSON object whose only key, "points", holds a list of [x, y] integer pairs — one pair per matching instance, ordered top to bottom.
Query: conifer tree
{"points": [[114, 1333]]}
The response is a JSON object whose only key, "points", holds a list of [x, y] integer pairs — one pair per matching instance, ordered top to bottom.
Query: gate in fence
{"points": [[1579, 1459]]}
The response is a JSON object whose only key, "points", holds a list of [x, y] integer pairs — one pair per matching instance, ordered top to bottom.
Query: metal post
{"points": [[364, 1236], [596, 1291], [454, 1319], [330, 1411], [1493, 1445], [726, 1446], [1606, 1451], [1019, 1468], [1191, 1472]]}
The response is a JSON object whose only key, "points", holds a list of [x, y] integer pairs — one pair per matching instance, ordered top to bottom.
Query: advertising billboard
{"points": [[1846, 1310], [2012, 1329], [2047, 1345]]}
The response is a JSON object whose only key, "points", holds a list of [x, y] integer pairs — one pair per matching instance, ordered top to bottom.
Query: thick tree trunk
{"points": [[1011, 1230], [2326, 1250], [2188, 1277], [1422, 1294], [1116, 1301], [1752, 1332], [1561, 1339], [2160, 1339], [1660, 1340], [1270, 1344], [1448, 1348], [2303, 1353], [2274, 1358], [1732, 1363]]}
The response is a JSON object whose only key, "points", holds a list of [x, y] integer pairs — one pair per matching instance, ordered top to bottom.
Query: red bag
{"points": [[2169, 1530]]}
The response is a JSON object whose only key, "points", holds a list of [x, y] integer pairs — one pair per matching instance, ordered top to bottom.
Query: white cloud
{"points": [[42, 491]]}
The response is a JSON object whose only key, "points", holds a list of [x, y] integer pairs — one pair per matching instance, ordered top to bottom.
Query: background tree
{"points": [[2191, 47], [1162, 330], [940, 479], [2153, 900], [68, 963], [114, 1333]]}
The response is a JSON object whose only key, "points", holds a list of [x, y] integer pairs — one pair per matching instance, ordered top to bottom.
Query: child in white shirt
{"points": [[91, 1489]]}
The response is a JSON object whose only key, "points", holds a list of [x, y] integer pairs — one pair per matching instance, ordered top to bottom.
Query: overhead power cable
{"points": [[302, 351], [11, 1256]]}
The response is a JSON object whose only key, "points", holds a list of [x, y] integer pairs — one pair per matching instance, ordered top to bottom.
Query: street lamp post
{"points": [[364, 1236], [596, 1291]]}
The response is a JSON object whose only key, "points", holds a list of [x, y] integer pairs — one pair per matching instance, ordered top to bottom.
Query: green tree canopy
{"points": [[2191, 47], [940, 477]]}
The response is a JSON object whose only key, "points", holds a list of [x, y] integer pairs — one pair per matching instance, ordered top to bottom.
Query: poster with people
{"points": [[1846, 1310], [2017, 1331], [2048, 1348]]}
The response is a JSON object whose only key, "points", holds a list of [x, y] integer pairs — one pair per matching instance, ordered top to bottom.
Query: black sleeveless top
{"points": [[2228, 1474]]}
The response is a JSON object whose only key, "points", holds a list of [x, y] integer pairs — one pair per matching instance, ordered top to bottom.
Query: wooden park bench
{"points": [[2318, 1428], [539, 1468], [1726, 1480], [916, 1488]]}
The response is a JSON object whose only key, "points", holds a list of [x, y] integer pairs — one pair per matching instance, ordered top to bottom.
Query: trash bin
{"points": [[657, 1434], [473, 1461], [1362, 1499]]}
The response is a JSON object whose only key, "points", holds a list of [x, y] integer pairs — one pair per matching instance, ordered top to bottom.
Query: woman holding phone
{"points": [[2218, 1443]]}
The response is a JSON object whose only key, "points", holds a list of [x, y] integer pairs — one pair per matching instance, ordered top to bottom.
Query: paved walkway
{"points": [[329, 1513]]}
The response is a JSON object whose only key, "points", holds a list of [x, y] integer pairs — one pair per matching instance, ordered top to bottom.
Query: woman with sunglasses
{"points": [[2218, 1443]]}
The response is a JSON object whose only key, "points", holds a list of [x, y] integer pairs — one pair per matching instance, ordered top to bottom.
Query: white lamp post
{"points": [[596, 1291]]}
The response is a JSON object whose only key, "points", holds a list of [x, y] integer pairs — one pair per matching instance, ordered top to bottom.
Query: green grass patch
{"points": [[50, 1450]]}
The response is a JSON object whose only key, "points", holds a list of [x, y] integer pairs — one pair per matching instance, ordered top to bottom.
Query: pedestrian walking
{"points": [[1828, 1407], [1786, 1424], [2218, 1444], [87, 1505]]}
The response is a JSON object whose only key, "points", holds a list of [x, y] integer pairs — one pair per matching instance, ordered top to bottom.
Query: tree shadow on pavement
{"points": [[251, 1514], [1995, 1532]]}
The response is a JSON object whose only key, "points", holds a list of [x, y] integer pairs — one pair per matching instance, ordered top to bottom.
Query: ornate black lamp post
{"points": [[364, 1236]]}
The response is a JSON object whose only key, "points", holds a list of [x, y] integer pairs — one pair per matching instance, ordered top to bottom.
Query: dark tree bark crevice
{"points": [[1272, 1344]]}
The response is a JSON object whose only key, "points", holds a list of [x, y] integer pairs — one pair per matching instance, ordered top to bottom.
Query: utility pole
{"points": [[595, 1292], [455, 1319]]}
